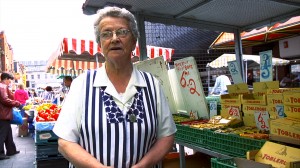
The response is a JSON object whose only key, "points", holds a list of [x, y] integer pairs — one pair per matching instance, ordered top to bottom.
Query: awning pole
{"points": [[238, 51], [97, 61], [276, 72]]}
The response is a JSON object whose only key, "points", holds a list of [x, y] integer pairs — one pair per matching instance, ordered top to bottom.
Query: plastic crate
{"points": [[190, 135], [45, 137], [231, 144], [47, 152], [52, 163], [222, 163]]}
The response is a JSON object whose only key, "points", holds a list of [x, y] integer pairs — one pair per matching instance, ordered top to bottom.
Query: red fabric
{"points": [[21, 95]]}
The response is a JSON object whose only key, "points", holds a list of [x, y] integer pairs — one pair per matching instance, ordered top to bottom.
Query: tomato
{"points": [[55, 116], [39, 119]]}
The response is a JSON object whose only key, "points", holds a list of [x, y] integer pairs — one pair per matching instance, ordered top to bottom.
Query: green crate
{"points": [[190, 135], [45, 137], [231, 144], [47, 152], [222, 163]]}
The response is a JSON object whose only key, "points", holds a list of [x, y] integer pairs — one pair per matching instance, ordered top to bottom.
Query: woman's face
{"points": [[116, 48]]}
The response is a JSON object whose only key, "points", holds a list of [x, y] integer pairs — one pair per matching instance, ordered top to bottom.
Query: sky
{"points": [[35, 28]]}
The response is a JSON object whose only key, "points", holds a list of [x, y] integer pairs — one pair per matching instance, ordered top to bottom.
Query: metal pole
{"points": [[142, 39], [238, 51]]}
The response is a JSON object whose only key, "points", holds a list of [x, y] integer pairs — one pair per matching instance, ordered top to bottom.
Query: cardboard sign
{"points": [[157, 67], [266, 67], [235, 72], [191, 87], [238, 88], [212, 108], [280, 110], [234, 112], [262, 120]]}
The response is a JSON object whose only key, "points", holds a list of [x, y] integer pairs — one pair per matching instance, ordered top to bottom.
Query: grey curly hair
{"points": [[116, 12]]}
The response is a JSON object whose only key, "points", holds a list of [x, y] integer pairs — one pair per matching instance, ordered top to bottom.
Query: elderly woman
{"points": [[115, 116]]}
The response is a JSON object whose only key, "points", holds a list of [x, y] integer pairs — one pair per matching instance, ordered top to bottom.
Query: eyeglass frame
{"points": [[111, 33]]}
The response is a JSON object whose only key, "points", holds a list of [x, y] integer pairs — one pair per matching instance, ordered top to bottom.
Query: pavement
{"points": [[26, 157]]}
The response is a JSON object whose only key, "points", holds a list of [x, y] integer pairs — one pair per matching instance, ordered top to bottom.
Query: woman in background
{"points": [[21, 95]]}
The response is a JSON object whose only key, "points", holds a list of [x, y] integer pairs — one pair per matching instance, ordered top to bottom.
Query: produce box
{"points": [[262, 87], [281, 90], [231, 98], [291, 98], [254, 99], [273, 99], [250, 109], [292, 111], [249, 120], [44, 126], [23, 129], [285, 129], [45, 137], [278, 155], [236, 162]]}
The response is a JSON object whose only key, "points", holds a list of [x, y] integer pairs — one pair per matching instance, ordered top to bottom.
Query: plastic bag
{"points": [[17, 117]]}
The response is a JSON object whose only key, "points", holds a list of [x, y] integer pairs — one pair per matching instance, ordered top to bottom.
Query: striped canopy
{"points": [[223, 59]]}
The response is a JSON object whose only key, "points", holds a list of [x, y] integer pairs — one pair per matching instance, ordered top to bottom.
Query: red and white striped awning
{"points": [[89, 48]]}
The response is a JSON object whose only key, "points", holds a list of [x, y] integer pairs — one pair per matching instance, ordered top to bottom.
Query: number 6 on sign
{"points": [[234, 112]]}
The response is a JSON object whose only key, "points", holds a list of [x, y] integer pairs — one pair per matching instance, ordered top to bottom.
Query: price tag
{"points": [[212, 108], [280, 110], [234, 112], [262, 120]]}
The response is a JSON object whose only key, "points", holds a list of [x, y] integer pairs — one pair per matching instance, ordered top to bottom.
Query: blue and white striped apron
{"points": [[106, 133]]}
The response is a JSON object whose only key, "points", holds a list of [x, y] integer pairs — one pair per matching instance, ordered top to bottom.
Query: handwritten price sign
{"points": [[190, 83], [213, 108], [280, 110], [234, 112], [262, 120]]}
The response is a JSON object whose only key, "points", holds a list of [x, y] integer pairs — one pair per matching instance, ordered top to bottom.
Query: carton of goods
{"points": [[262, 87], [240, 88], [282, 90], [231, 98], [254, 98], [291, 98], [273, 99], [225, 108], [250, 109], [292, 111], [274, 114], [249, 120], [285, 130], [278, 155], [237, 162]]}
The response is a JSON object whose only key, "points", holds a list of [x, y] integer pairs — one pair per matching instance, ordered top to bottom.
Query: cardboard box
{"points": [[262, 87], [240, 88], [281, 90], [231, 98], [254, 98], [291, 98], [273, 99], [250, 109], [292, 111], [249, 120], [286, 127], [23, 129], [277, 155]]}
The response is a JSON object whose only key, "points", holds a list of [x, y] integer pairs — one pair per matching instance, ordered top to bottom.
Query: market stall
{"points": [[73, 56], [250, 61]]}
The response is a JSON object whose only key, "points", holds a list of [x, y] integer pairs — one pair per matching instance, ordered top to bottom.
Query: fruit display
{"points": [[28, 107], [47, 112], [180, 118], [246, 131]]}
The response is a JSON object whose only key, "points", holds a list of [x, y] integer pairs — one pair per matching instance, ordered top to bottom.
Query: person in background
{"points": [[250, 79], [67, 81], [286, 81], [221, 83], [33, 93], [48, 94], [21, 95], [7, 102], [115, 116]]}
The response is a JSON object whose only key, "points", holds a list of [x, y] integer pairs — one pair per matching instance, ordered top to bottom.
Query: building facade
{"points": [[6, 55]]}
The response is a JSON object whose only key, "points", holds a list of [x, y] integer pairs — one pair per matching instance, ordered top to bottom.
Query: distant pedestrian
{"points": [[220, 86], [21, 95]]}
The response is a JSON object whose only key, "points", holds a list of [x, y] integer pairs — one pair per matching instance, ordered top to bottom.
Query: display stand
{"points": [[198, 149]]}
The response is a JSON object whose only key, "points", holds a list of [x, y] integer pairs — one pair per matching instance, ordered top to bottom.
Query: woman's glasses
{"points": [[120, 33]]}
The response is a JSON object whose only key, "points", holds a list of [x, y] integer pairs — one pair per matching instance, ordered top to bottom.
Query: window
{"points": [[32, 76], [39, 76], [46, 76]]}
